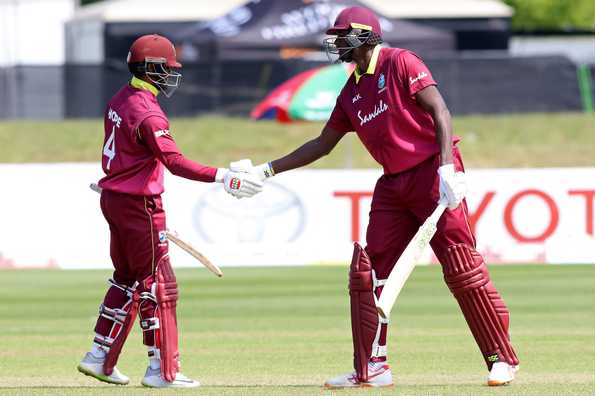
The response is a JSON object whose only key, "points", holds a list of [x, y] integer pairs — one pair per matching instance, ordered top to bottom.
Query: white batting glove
{"points": [[262, 171], [238, 184], [453, 186]]}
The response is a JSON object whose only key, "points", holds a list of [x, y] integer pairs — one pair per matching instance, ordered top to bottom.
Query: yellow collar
{"points": [[371, 66], [140, 84]]}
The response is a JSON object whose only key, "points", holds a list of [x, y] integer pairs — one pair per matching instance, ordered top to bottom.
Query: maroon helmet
{"points": [[355, 18], [354, 27], [154, 56]]}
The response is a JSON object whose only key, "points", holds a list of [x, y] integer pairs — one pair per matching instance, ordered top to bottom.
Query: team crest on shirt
{"points": [[381, 83], [162, 237]]}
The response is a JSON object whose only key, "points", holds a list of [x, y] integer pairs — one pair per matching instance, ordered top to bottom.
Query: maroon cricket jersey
{"points": [[380, 106], [138, 144]]}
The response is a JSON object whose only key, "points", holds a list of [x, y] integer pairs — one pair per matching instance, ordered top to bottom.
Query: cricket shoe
{"points": [[93, 367], [501, 373], [379, 376], [153, 379]]}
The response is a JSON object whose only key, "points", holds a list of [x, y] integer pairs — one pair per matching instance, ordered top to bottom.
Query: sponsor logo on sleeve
{"points": [[420, 76], [161, 132]]}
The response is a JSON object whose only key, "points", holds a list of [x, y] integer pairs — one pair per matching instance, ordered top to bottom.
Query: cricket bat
{"points": [[188, 248], [406, 262]]}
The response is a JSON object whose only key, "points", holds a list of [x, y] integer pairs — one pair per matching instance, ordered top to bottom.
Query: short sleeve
{"points": [[413, 72], [339, 121]]}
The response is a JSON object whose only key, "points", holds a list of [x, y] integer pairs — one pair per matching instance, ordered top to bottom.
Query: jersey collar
{"points": [[371, 66], [140, 84]]}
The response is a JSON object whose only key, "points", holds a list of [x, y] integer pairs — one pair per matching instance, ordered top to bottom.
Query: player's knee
{"points": [[374, 248], [381, 257], [464, 269], [360, 271], [168, 290], [118, 294]]}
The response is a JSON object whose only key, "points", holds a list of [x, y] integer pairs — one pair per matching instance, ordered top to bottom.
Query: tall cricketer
{"points": [[393, 104]]}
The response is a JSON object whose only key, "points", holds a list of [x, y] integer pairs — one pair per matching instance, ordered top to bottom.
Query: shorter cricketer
{"points": [[137, 146]]}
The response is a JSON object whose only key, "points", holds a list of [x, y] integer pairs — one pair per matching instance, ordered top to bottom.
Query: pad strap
{"points": [[129, 290], [123, 320], [378, 351]]}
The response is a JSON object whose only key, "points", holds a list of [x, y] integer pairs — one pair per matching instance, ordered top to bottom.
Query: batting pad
{"points": [[468, 279], [159, 298], [364, 316], [123, 320]]}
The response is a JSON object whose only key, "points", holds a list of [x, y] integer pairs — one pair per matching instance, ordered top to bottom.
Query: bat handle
{"points": [[437, 213]]}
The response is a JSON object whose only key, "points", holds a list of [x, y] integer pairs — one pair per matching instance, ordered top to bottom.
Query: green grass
{"points": [[533, 140], [283, 331]]}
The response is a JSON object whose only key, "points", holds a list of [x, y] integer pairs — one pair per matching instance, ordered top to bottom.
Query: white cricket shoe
{"points": [[93, 367], [501, 373], [379, 376], [153, 379]]}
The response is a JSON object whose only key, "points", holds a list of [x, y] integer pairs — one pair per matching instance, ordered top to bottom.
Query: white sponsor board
{"points": [[50, 218]]}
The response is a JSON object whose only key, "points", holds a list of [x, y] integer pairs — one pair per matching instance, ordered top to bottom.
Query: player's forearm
{"points": [[430, 99], [443, 123], [166, 151], [304, 155], [181, 166]]}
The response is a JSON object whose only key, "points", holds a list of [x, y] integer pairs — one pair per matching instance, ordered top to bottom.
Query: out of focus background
{"points": [[63, 59], [518, 77]]}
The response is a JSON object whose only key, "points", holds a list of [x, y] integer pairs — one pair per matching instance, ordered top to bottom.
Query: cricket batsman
{"points": [[391, 101], [137, 146]]}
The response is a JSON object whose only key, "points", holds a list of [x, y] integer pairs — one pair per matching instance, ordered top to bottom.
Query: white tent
{"points": [[156, 10], [32, 31], [85, 31]]}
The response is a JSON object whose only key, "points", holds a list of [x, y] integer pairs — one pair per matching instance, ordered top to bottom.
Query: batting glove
{"points": [[262, 171], [240, 185], [453, 186]]}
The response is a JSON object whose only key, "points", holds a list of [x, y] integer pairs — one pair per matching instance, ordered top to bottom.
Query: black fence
{"points": [[472, 84], [32, 92]]}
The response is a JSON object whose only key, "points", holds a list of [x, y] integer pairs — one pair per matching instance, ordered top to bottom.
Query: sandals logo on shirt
{"points": [[420, 76], [380, 108]]}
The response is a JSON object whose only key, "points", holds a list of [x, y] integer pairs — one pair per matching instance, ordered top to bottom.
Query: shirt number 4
{"points": [[109, 150]]}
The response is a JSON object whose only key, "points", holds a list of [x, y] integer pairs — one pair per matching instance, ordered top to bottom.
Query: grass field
{"points": [[532, 140], [283, 331]]}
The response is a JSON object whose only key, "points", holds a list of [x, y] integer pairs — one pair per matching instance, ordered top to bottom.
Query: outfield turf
{"points": [[523, 140], [283, 331]]}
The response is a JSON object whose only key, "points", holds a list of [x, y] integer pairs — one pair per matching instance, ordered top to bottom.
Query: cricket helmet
{"points": [[354, 27], [154, 56]]}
